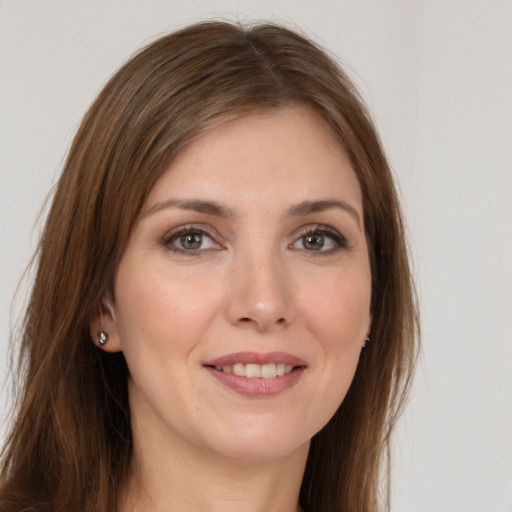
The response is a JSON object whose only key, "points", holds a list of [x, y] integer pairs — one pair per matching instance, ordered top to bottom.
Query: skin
{"points": [[256, 283]]}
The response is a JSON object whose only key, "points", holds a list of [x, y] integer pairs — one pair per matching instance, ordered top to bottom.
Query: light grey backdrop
{"points": [[438, 76]]}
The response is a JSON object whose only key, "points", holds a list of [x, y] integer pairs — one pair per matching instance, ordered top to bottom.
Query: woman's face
{"points": [[243, 297]]}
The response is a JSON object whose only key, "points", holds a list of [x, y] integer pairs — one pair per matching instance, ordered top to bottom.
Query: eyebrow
{"points": [[195, 205], [308, 207], [218, 210]]}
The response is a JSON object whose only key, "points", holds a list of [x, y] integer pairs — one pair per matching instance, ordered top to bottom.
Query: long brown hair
{"points": [[70, 445]]}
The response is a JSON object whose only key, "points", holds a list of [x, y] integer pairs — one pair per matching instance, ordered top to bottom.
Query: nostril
{"points": [[248, 320]]}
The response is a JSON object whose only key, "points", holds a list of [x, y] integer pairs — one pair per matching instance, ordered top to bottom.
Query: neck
{"points": [[177, 476]]}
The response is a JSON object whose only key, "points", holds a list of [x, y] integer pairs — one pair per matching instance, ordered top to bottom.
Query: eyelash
{"points": [[319, 230], [325, 231], [177, 233]]}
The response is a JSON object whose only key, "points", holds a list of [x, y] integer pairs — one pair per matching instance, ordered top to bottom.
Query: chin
{"points": [[261, 443], [262, 451]]}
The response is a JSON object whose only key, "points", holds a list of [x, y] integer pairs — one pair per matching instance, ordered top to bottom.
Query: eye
{"points": [[320, 239], [189, 240], [316, 242]]}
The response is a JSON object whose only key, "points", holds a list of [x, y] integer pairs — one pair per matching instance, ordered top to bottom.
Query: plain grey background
{"points": [[437, 75]]}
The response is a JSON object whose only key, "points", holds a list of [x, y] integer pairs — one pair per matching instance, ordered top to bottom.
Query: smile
{"points": [[255, 371], [254, 374]]}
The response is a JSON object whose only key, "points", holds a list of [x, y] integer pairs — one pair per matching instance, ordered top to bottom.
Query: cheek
{"points": [[162, 310], [337, 311], [337, 320]]}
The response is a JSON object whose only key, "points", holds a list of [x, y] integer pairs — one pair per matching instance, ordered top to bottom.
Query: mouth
{"points": [[254, 365], [257, 371], [256, 374]]}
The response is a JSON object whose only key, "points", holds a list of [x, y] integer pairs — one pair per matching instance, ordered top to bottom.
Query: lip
{"points": [[257, 358], [259, 387]]}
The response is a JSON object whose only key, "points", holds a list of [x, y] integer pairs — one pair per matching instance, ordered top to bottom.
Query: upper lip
{"points": [[256, 358]]}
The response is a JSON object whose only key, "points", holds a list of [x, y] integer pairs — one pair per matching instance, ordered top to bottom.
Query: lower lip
{"points": [[258, 387]]}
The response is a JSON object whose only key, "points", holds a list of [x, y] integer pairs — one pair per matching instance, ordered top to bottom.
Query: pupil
{"points": [[191, 241], [314, 242]]}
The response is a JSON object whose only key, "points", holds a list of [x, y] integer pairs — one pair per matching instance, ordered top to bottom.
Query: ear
{"points": [[103, 321], [369, 328], [368, 331]]}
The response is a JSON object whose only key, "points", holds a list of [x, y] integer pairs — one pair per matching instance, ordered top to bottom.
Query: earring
{"points": [[102, 338], [366, 340]]}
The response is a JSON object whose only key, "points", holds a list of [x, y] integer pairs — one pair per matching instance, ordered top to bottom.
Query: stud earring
{"points": [[102, 338], [366, 340]]}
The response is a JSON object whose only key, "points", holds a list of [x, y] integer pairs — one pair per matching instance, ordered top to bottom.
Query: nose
{"points": [[259, 292]]}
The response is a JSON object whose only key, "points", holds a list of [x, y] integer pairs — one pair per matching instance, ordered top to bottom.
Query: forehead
{"points": [[287, 154]]}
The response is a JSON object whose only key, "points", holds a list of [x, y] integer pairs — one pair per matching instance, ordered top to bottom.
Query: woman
{"points": [[223, 312]]}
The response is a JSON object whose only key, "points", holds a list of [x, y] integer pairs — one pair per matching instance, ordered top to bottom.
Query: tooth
{"points": [[218, 368], [239, 369], [252, 371], [268, 371]]}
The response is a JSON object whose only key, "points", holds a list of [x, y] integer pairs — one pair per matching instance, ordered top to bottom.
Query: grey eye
{"points": [[191, 241], [313, 242], [319, 242]]}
